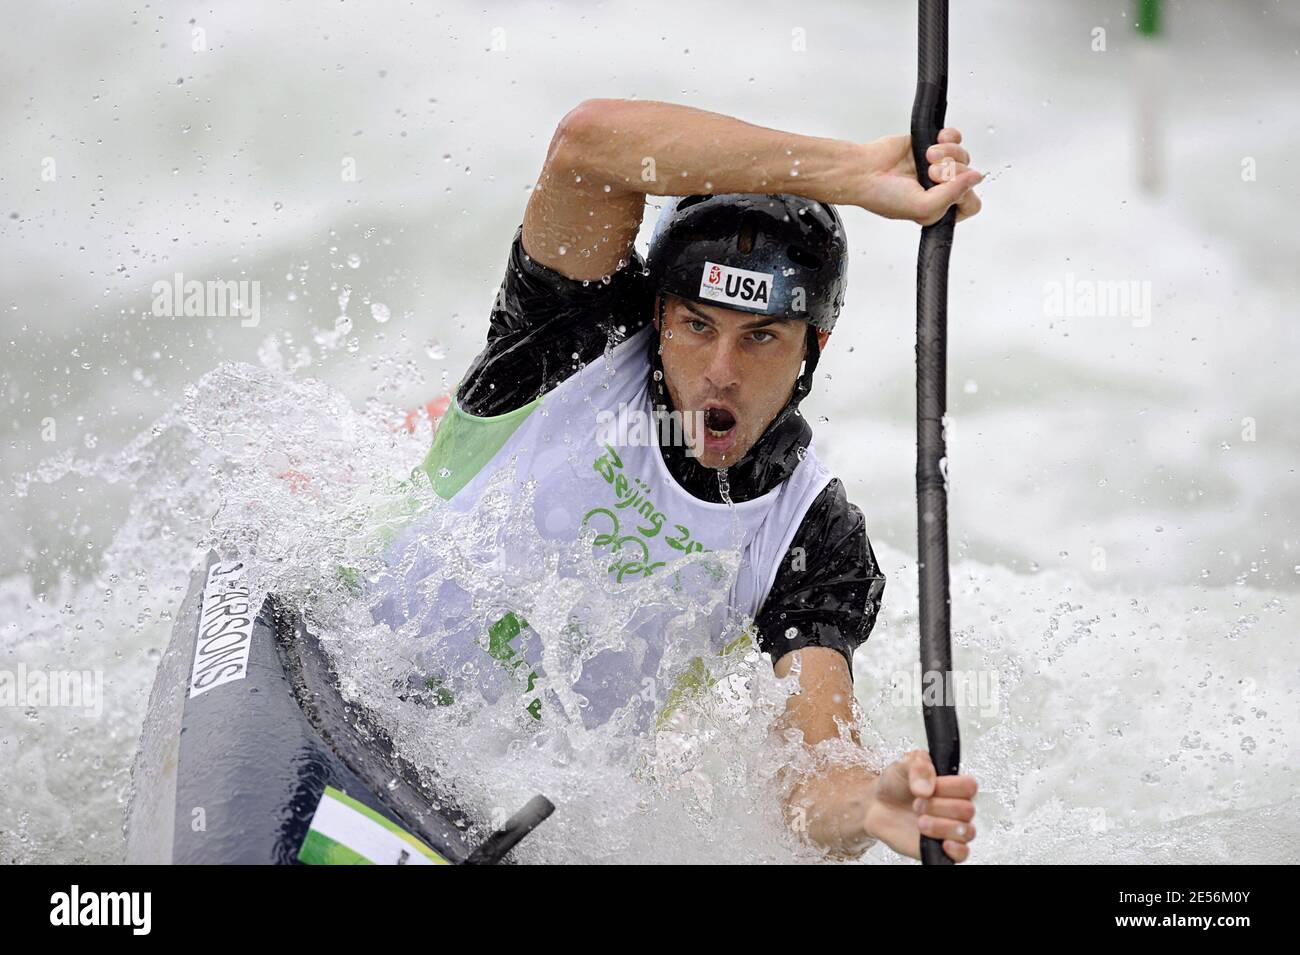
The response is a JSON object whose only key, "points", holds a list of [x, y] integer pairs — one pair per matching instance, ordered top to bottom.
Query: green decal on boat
{"points": [[346, 832]]}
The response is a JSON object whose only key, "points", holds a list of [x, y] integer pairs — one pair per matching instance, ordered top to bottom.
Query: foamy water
{"points": [[1103, 724]]}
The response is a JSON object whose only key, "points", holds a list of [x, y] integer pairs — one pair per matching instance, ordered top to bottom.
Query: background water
{"points": [[1123, 505]]}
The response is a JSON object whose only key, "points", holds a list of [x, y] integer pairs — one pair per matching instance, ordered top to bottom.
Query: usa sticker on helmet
{"points": [[725, 283]]}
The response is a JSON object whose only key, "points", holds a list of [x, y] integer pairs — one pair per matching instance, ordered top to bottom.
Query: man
{"points": [[719, 334]]}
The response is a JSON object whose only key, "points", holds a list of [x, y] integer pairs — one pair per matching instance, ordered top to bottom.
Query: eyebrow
{"points": [[761, 321]]}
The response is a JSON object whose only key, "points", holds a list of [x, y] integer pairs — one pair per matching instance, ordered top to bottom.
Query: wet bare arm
{"points": [[607, 155], [840, 805], [828, 806]]}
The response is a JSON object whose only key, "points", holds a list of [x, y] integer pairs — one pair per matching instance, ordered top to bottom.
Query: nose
{"points": [[723, 369]]}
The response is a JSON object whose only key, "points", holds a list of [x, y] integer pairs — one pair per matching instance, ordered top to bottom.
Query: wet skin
{"points": [[733, 371]]}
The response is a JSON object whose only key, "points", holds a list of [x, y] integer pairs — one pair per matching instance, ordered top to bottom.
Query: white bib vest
{"points": [[577, 518]]}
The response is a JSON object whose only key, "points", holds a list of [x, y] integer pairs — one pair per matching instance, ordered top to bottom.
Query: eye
{"points": [[696, 325], [758, 332]]}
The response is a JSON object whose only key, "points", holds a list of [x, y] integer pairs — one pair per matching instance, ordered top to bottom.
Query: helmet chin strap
{"points": [[812, 353]]}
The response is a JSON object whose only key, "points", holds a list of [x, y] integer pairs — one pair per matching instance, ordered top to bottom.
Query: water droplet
{"points": [[724, 486]]}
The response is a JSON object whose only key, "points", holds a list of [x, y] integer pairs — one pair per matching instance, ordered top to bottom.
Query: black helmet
{"points": [[770, 255]]}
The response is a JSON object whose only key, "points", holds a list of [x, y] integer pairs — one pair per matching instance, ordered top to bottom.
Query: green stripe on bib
{"points": [[464, 443]]}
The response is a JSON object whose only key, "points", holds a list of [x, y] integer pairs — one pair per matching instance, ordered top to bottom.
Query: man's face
{"points": [[731, 370]]}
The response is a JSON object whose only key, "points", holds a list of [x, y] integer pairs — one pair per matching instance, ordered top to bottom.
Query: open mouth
{"points": [[719, 421]]}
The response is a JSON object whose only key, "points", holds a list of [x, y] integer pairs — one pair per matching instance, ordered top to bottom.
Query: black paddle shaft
{"points": [[928, 112]]}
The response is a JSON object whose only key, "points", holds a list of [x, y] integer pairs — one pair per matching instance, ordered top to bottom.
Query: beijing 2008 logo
{"points": [[715, 274]]}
